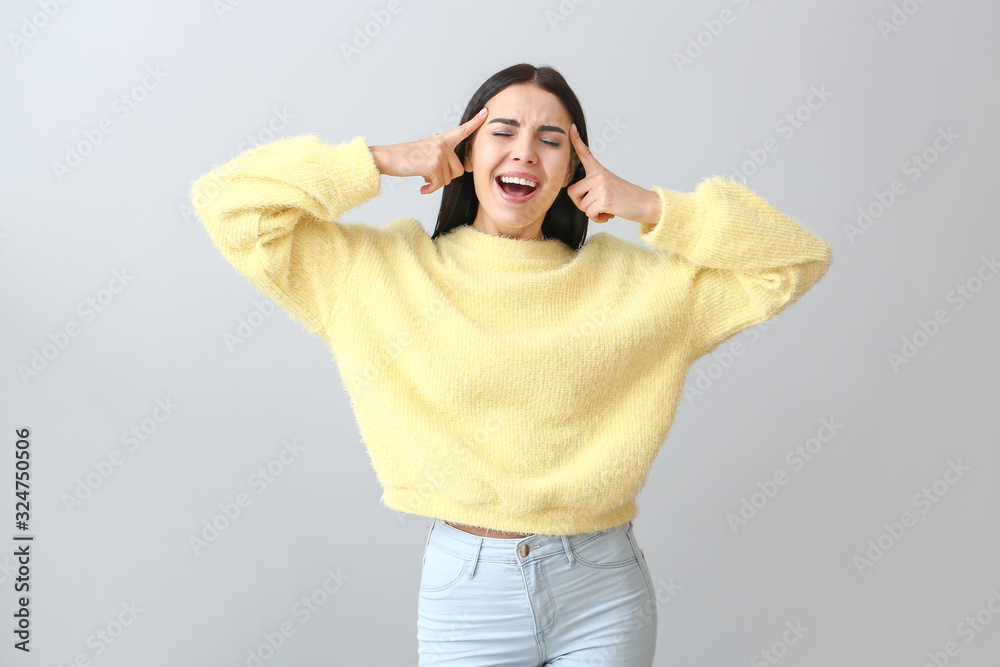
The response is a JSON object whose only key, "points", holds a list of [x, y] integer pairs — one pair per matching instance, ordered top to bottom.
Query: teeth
{"points": [[520, 181]]}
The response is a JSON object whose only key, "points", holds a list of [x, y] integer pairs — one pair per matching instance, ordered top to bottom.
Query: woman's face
{"points": [[526, 133]]}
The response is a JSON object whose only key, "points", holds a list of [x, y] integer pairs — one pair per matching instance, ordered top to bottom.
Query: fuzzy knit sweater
{"points": [[518, 385]]}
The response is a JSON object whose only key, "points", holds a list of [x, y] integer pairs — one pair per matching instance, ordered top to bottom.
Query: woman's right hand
{"points": [[434, 158]]}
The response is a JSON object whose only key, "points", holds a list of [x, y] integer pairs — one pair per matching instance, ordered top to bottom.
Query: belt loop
{"points": [[569, 550], [475, 558]]}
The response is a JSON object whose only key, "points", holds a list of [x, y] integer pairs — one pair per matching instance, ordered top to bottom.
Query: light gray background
{"points": [[724, 596]]}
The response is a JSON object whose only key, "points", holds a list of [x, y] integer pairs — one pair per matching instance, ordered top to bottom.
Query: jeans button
{"points": [[524, 550]]}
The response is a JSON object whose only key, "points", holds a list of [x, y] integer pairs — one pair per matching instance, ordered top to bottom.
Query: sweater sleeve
{"points": [[273, 213], [750, 260]]}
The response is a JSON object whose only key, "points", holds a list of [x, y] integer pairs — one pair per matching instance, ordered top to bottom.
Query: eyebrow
{"points": [[514, 123]]}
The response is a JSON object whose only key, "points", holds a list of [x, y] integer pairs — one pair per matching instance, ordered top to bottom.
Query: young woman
{"points": [[512, 379]]}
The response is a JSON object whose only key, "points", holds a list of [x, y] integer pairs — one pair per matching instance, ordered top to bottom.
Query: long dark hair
{"points": [[459, 203]]}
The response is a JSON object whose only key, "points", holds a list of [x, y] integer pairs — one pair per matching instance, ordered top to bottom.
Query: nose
{"points": [[524, 149]]}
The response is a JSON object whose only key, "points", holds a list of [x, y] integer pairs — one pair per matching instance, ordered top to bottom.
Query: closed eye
{"points": [[508, 134]]}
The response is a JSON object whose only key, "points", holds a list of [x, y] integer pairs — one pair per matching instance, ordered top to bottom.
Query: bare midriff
{"points": [[486, 532]]}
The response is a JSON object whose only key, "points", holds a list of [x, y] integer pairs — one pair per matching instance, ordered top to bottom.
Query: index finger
{"points": [[455, 136], [587, 158]]}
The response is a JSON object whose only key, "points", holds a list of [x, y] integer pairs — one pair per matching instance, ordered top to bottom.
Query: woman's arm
{"points": [[272, 212], [752, 260]]}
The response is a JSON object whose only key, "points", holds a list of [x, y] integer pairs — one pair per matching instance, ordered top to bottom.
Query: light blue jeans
{"points": [[584, 599]]}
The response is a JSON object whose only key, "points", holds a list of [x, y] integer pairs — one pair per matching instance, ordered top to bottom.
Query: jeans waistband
{"points": [[511, 550]]}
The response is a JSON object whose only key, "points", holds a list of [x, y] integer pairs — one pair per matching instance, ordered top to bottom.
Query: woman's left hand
{"points": [[601, 195]]}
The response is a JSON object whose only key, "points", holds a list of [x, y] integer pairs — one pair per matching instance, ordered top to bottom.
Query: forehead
{"points": [[529, 103]]}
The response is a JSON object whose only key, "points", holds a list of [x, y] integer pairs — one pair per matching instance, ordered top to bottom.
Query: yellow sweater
{"points": [[512, 384]]}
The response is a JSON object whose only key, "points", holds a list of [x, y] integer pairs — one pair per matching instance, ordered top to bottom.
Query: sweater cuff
{"points": [[352, 169], [679, 228]]}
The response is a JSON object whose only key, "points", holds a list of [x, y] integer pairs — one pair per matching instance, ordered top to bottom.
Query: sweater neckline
{"points": [[506, 251]]}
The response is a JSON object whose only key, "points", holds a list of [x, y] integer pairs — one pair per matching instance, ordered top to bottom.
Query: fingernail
{"points": [[482, 112], [574, 128]]}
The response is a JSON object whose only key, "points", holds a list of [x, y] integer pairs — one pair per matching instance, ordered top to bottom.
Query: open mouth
{"points": [[516, 189]]}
